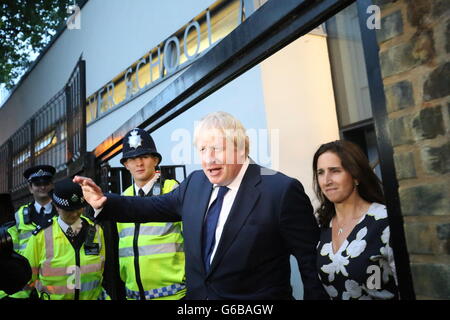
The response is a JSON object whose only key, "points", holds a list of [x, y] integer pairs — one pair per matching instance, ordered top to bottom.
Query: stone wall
{"points": [[414, 42]]}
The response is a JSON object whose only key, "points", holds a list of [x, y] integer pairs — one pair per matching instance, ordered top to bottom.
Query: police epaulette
{"points": [[39, 228]]}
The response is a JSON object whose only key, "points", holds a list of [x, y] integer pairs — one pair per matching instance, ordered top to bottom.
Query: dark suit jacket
{"points": [[270, 219]]}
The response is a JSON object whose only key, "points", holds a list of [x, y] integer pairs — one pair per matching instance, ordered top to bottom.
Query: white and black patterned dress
{"points": [[363, 267]]}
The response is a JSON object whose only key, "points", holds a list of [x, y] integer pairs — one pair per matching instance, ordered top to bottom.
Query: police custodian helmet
{"points": [[138, 142], [41, 173]]}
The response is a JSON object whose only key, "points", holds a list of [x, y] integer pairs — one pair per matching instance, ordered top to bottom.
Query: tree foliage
{"points": [[26, 26]]}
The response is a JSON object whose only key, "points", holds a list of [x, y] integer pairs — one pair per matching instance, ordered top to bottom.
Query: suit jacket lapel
{"points": [[201, 202], [243, 204]]}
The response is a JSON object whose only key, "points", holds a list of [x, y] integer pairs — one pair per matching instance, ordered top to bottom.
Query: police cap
{"points": [[41, 173], [68, 195]]}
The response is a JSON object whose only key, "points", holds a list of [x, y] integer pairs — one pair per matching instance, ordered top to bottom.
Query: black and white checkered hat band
{"points": [[40, 173], [61, 202]]}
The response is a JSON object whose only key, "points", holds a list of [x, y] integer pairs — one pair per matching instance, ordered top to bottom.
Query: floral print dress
{"points": [[363, 267]]}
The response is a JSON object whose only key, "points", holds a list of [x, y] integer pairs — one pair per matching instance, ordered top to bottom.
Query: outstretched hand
{"points": [[91, 192]]}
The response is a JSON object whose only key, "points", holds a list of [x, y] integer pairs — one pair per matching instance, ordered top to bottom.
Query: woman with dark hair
{"points": [[354, 258]]}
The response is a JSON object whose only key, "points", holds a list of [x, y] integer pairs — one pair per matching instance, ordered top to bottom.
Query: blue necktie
{"points": [[210, 224]]}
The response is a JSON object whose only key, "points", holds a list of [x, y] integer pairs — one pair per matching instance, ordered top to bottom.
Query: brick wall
{"points": [[414, 42]]}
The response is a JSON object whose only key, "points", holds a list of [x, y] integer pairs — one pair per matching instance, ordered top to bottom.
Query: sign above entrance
{"points": [[167, 58]]}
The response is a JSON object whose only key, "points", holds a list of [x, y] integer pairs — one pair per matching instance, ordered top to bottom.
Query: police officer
{"points": [[33, 216], [151, 255], [67, 257]]}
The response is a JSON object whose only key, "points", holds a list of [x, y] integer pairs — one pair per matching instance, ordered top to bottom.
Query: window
{"points": [[350, 82]]}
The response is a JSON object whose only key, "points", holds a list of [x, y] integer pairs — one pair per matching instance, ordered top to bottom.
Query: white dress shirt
{"points": [[148, 186], [228, 201], [47, 208], [76, 227]]}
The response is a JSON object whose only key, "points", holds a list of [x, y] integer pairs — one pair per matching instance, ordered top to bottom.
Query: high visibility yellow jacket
{"points": [[20, 234], [151, 256], [60, 272]]}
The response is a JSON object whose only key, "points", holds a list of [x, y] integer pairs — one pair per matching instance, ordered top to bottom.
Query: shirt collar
{"points": [[236, 183], [148, 186], [47, 208], [76, 227]]}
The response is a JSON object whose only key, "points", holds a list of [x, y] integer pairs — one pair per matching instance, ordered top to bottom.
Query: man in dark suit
{"points": [[241, 222]]}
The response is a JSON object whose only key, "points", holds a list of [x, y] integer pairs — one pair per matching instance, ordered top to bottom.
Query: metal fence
{"points": [[55, 135], [4, 167]]}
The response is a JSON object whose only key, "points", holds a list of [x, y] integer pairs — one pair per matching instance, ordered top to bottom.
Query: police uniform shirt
{"points": [[148, 186], [47, 208], [76, 227]]}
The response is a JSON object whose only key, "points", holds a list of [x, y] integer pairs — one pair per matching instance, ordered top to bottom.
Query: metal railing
{"points": [[55, 135]]}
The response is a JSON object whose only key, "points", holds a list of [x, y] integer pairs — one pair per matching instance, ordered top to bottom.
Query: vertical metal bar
{"points": [[82, 79], [73, 92], [78, 105], [69, 124], [60, 126], [32, 140], [12, 142], [18, 143], [385, 151], [47, 155], [10, 165]]}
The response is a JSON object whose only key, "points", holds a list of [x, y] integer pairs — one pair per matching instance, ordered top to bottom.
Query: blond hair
{"points": [[230, 127]]}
